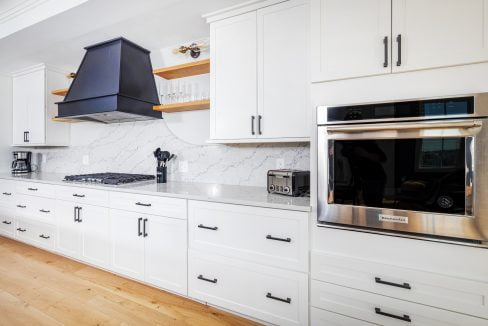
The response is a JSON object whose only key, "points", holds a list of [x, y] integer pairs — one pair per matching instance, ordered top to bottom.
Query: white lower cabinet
{"points": [[7, 222], [84, 232], [38, 234], [262, 235], [127, 243], [150, 248], [165, 253], [433, 289], [269, 294], [383, 310], [319, 317]]}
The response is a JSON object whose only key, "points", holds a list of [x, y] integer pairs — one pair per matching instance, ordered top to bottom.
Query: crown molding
{"points": [[20, 9], [239, 9], [26, 13]]}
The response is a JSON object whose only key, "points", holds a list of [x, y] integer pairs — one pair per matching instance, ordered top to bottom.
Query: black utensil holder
{"points": [[162, 174]]}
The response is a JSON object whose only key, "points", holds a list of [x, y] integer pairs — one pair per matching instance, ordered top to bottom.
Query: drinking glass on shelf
{"points": [[181, 92], [188, 92], [195, 92]]}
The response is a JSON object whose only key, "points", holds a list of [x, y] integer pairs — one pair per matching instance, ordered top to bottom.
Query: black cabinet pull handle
{"points": [[399, 42], [385, 44], [259, 124], [252, 125], [28, 132], [26, 136], [32, 189], [7, 194], [79, 196], [142, 204], [21, 206], [44, 211], [74, 213], [79, 215], [139, 220], [6, 222], [144, 227], [213, 228], [21, 230], [44, 236], [270, 237], [200, 277], [403, 286], [270, 296], [404, 317]]}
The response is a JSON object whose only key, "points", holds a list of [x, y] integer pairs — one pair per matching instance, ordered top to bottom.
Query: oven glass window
{"points": [[411, 174]]}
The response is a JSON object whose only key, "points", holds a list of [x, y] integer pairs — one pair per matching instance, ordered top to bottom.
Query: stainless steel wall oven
{"points": [[418, 167]]}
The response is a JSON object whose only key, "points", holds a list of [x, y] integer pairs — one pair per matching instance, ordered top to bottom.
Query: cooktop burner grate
{"points": [[109, 178]]}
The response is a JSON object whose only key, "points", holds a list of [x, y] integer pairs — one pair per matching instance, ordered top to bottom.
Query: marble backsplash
{"points": [[128, 148]]}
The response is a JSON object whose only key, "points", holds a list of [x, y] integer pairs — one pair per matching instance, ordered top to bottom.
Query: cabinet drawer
{"points": [[36, 189], [7, 193], [83, 195], [152, 205], [36, 208], [7, 222], [38, 234], [262, 235], [428, 288], [269, 294], [383, 310], [319, 317]]}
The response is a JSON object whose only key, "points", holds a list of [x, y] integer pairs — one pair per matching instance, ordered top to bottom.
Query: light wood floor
{"points": [[40, 288]]}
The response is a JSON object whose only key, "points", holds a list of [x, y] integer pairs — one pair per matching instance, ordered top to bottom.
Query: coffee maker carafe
{"points": [[22, 163]]}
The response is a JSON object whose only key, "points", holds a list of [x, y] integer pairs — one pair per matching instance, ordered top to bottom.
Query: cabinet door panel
{"points": [[439, 33], [348, 38], [283, 70], [233, 77], [37, 107], [20, 114], [68, 231], [127, 245], [95, 246], [166, 253]]}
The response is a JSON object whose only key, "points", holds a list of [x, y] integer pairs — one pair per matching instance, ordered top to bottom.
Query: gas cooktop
{"points": [[109, 178]]}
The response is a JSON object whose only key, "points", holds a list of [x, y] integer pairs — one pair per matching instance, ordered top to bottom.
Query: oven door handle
{"points": [[359, 128]]}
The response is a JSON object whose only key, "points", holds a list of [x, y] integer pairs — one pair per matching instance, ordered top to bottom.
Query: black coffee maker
{"points": [[22, 163]]}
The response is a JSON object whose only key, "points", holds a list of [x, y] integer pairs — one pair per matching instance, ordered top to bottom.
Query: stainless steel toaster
{"points": [[289, 182]]}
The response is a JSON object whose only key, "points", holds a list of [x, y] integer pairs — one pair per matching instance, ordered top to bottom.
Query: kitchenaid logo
{"points": [[393, 218]]}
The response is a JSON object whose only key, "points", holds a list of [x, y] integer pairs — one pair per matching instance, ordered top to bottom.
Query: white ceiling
{"points": [[153, 24]]}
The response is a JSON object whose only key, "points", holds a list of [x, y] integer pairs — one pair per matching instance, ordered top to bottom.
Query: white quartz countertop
{"points": [[229, 194]]}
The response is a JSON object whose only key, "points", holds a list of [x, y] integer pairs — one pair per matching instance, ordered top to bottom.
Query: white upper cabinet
{"points": [[439, 33], [351, 38], [356, 38], [284, 70], [260, 73], [233, 77], [34, 107]]}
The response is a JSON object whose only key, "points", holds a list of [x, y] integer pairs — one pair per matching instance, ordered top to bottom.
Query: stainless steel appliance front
{"points": [[422, 175]]}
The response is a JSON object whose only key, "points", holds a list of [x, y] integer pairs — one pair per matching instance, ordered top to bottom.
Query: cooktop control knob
{"points": [[286, 189]]}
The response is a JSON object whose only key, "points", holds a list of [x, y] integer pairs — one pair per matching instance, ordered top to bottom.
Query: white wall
{"points": [[5, 123]]}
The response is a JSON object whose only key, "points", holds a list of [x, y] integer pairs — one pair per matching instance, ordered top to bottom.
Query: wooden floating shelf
{"points": [[185, 70], [60, 92], [182, 107], [65, 120]]}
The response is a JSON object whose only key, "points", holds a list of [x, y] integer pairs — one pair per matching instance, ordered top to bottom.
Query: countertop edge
{"points": [[243, 202]]}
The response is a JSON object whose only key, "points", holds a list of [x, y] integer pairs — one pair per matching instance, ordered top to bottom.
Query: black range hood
{"points": [[114, 83]]}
